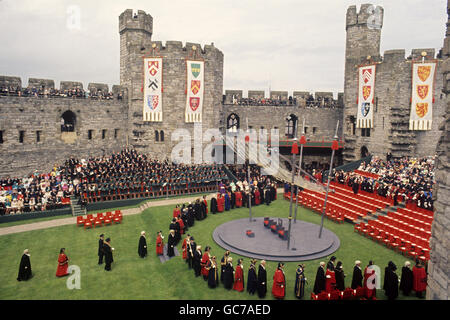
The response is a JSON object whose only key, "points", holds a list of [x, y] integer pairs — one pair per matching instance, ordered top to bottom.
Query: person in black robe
{"points": [[355, 187], [267, 196], [232, 200], [213, 205], [198, 210], [190, 215], [176, 228], [171, 243], [142, 247], [191, 247], [100, 249], [107, 250], [196, 261], [223, 264], [330, 264], [25, 267], [213, 273], [340, 276], [228, 277], [252, 279], [357, 279], [262, 280], [300, 280], [406, 280], [390, 281], [319, 284]]}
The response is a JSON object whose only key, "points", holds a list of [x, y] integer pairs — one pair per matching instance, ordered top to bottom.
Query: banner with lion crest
{"points": [[152, 90], [194, 90], [366, 93], [422, 95]]}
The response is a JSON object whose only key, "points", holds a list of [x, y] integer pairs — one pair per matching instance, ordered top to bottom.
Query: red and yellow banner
{"points": [[194, 93], [422, 95]]}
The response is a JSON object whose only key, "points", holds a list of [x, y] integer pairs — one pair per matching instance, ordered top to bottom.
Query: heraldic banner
{"points": [[195, 87], [152, 89], [366, 93], [422, 95]]}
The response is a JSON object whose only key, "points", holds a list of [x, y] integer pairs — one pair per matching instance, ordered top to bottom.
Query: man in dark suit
{"points": [[100, 249], [262, 280]]}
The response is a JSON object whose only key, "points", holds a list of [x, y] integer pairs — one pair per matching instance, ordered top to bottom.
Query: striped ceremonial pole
{"points": [[247, 140], [302, 143], [334, 147], [294, 152]]}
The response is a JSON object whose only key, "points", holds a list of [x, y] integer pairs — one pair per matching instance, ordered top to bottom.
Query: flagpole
{"points": [[247, 139], [302, 142], [334, 147], [292, 186]]}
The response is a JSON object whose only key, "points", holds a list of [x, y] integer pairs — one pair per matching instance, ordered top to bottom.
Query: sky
{"points": [[278, 44]]}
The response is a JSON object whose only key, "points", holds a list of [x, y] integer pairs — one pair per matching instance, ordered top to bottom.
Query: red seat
{"points": [[80, 221], [107, 221], [97, 223], [87, 224], [358, 293], [347, 294], [335, 295], [321, 296]]}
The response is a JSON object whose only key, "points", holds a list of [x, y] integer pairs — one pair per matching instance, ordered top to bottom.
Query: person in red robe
{"points": [[238, 196], [257, 197], [220, 203], [206, 204], [176, 211], [181, 224], [159, 244], [184, 246], [203, 263], [63, 264], [239, 277], [419, 279], [330, 281], [279, 282], [370, 289]]}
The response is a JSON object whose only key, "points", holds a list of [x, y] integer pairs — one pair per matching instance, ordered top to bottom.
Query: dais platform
{"points": [[304, 244]]}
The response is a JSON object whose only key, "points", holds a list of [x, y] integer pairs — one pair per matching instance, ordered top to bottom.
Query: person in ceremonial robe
{"points": [[267, 195], [238, 196], [257, 197], [232, 200], [227, 201], [220, 203], [213, 205], [205, 206], [198, 210], [176, 211], [190, 215], [180, 223], [176, 229], [171, 243], [159, 244], [142, 246], [184, 247], [100, 249], [108, 250], [205, 258], [197, 260], [63, 264], [223, 264], [330, 264], [25, 267], [213, 273], [340, 276], [228, 277], [239, 277], [357, 278], [252, 279], [262, 279], [419, 279], [300, 280], [406, 280], [279, 282], [319, 283], [390, 285], [370, 290]]}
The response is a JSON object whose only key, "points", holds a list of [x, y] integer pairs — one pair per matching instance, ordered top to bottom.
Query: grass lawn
{"points": [[135, 278]]}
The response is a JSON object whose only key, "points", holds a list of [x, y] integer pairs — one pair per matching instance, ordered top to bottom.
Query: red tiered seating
{"points": [[321, 296]]}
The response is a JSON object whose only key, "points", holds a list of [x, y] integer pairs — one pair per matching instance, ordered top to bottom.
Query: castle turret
{"points": [[134, 29], [363, 41]]}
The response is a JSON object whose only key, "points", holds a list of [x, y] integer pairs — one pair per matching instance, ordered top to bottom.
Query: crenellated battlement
{"points": [[368, 15], [136, 21], [190, 49], [399, 55]]}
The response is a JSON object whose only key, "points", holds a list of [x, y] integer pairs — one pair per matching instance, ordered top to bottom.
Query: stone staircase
{"points": [[76, 208], [381, 212]]}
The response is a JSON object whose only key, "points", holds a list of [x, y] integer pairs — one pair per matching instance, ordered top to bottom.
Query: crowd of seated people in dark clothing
{"points": [[52, 93], [411, 179]]}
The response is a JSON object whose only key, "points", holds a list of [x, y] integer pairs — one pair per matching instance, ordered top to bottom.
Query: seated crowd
{"points": [[51, 92], [309, 102], [410, 179]]}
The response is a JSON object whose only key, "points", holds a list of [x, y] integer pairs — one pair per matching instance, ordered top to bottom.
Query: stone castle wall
{"points": [[392, 94], [43, 115]]}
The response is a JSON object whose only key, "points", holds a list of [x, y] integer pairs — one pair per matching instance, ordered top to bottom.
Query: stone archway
{"points": [[364, 152]]}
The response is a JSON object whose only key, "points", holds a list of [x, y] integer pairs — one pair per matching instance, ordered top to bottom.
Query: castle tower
{"points": [[134, 29], [363, 40]]}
